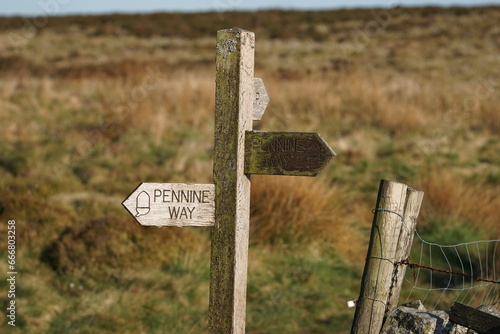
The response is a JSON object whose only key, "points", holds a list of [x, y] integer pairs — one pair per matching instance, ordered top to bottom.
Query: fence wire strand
{"points": [[455, 269], [471, 272]]}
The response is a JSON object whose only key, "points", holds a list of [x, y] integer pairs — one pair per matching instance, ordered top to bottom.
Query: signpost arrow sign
{"points": [[239, 98], [261, 99], [286, 153], [172, 204]]}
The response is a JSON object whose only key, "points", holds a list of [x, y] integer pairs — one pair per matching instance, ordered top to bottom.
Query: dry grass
{"points": [[416, 101], [449, 195], [303, 210], [97, 247]]}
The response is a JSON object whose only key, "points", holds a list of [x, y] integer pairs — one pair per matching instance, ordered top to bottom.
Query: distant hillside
{"points": [[272, 23]]}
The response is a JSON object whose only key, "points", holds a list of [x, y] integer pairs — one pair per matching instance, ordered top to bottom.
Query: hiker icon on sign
{"points": [[143, 204]]}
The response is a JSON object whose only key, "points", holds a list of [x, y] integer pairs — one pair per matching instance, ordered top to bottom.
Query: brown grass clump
{"points": [[490, 116], [449, 195], [285, 209], [109, 245]]}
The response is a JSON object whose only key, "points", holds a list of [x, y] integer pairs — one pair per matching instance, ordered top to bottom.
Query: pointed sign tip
{"points": [[261, 99]]}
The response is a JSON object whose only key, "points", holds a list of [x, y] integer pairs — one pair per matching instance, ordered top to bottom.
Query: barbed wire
{"points": [[462, 260], [416, 265]]}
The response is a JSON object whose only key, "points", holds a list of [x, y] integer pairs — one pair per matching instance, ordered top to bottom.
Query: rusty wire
{"points": [[413, 266]]}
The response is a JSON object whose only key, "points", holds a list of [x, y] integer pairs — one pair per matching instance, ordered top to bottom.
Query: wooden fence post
{"points": [[234, 98], [414, 199], [379, 266]]}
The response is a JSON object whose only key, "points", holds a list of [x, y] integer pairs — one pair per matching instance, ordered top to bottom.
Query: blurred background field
{"points": [[93, 105]]}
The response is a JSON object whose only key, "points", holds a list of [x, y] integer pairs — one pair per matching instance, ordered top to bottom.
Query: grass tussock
{"points": [[461, 202], [301, 210], [96, 248]]}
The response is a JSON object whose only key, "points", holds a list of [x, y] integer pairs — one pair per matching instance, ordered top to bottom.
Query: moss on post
{"points": [[234, 98]]}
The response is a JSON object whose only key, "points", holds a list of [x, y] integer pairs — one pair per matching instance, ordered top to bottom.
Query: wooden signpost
{"points": [[238, 152]]}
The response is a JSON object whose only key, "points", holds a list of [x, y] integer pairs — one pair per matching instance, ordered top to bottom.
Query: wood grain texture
{"points": [[234, 98], [286, 153], [413, 203], [172, 204], [379, 268], [477, 320]]}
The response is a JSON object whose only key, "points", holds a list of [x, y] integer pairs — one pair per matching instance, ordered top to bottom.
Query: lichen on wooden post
{"points": [[234, 98], [413, 202], [393, 228], [379, 265]]}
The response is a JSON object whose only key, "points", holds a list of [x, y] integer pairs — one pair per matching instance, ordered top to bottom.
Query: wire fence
{"points": [[438, 274], [443, 274]]}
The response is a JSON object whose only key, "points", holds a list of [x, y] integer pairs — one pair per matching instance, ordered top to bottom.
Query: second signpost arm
{"points": [[234, 98]]}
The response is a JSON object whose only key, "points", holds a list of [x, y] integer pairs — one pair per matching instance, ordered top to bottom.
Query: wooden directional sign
{"points": [[239, 99], [261, 99], [286, 153], [172, 204]]}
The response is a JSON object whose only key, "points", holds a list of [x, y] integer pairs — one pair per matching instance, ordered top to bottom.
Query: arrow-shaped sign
{"points": [[261, 99], [286, 153], [172, 204]]}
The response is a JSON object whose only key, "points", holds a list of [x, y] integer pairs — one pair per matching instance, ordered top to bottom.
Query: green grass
{"points": [[77, 139], [299, 292]]}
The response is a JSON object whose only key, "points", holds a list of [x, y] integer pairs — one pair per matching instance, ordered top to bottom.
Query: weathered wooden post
{"points": [[234, 98], [238, 152], [413, 202], [392, 231]]}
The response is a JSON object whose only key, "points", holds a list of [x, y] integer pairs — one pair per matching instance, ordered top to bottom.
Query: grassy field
{"points": [[92, 106]]}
